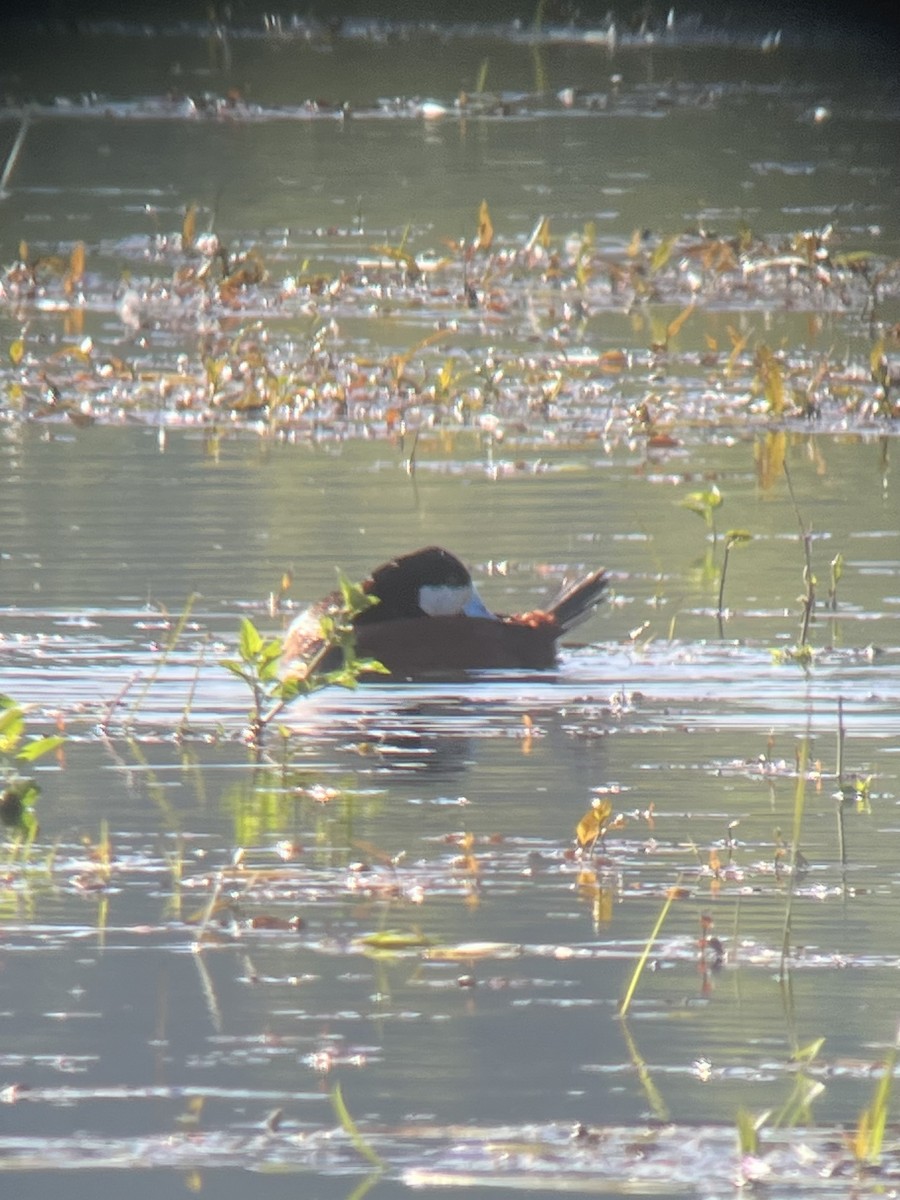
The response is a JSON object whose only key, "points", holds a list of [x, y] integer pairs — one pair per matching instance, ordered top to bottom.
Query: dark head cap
{"points": [[398, 584]]}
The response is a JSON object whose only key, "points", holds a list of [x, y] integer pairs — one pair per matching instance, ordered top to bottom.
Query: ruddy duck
{"points": [[429, 619]]}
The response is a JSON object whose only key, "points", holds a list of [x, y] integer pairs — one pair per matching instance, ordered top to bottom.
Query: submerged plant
{"points": [[259, 662], [18, 793]]}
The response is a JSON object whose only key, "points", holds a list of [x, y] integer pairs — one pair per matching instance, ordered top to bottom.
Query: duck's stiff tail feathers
{"points": [[577, 600]]}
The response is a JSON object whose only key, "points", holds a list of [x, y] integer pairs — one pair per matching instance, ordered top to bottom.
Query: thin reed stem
{"points": [[13, 156], [164, 657], [799, 802]]}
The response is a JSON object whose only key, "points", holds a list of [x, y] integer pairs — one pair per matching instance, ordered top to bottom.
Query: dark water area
{"points": [[729, 18], [254, 328]]}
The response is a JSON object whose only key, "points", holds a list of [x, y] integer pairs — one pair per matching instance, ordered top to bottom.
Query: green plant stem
{"points": [[13, 157], [411, 461], [809, 580], [721, 602], [164, 657], [192, 690], [799, 802], [645, 954], [881, 1102], [352, 1129]]}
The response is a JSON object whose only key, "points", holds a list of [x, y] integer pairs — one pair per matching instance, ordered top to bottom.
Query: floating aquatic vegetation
{"points": [[217, 336]]}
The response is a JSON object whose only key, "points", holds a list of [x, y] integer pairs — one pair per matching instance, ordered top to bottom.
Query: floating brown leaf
{"points": [[485, 228], [189, 229], [77, 262], [75, 272], [674, 326], [738, 345], [611, 362], [771, 379], [594, 823]]}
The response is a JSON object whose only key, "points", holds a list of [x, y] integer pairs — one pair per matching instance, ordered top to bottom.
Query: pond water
{"points": [[202, 943]]}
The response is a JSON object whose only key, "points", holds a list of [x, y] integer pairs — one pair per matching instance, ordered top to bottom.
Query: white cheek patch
{"points": [[444, 601], [453, 602]]}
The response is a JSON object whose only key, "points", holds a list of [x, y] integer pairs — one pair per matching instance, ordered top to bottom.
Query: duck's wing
{"points": [[303, 640]]}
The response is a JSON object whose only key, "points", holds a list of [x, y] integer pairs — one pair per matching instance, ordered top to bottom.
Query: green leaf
{"points": [[703, 502], [695, 506], [355, 600], [250, 642], [271, 650], [268, 661], [370, 666], [344, 678], [288, 689], [9, 718], [12, 726], [39, 747], [29, 825], [394, 939], [806, 1054], [350, 1128], [748, 1128]]}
